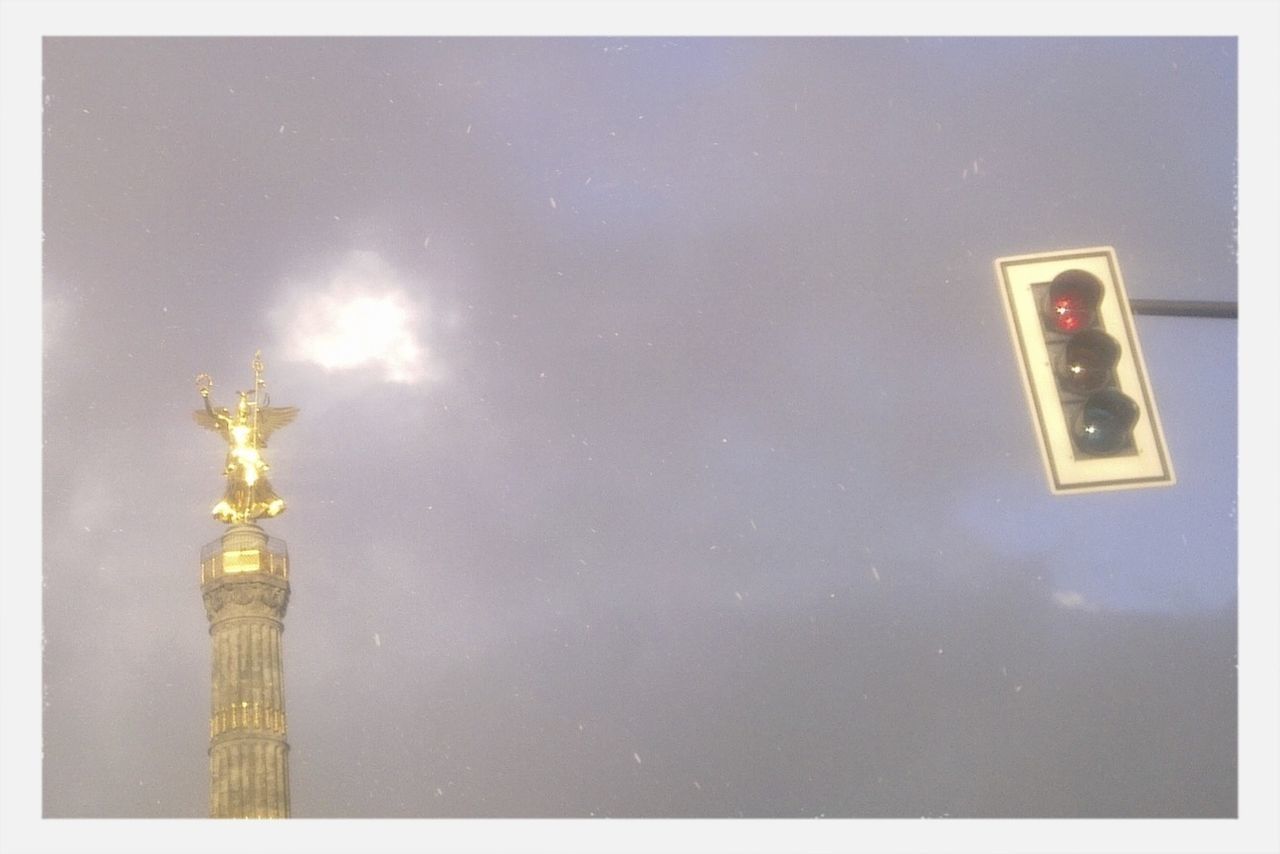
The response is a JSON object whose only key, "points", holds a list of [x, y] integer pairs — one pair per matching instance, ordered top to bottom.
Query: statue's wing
{"points": [[273, 418], [204, 419]]}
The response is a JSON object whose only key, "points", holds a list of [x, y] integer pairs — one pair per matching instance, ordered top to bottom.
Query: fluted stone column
{"points": [[244, 577]]}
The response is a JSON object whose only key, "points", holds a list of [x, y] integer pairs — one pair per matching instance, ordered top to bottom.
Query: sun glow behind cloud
{"points": [[364, 317]]}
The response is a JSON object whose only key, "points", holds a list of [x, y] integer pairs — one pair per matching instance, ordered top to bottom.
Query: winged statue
{"points": [[245, 429]]}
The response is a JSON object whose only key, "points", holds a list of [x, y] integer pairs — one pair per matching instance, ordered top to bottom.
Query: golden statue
{"points": [[249, 495]]}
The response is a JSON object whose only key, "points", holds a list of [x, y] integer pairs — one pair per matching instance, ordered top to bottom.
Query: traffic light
{"points": [[1087, 388]]}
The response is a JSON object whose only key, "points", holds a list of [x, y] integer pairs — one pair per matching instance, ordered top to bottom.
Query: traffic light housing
{"points": [[1086, 384]]}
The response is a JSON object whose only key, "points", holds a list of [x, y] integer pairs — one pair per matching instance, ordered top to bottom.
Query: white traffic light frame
{"points": [[1021, 279]]}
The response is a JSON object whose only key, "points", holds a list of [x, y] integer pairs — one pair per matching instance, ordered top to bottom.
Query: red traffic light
{"points": [[1073, 301]]}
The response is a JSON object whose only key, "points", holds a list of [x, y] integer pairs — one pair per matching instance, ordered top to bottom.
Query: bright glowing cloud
{"points": [[364, 317]]}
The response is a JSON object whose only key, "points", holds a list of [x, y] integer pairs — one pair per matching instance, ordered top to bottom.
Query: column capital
{"points": [[263, 597]]}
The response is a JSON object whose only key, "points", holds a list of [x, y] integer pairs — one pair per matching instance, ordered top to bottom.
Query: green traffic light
{"points": [[1104, 425]]}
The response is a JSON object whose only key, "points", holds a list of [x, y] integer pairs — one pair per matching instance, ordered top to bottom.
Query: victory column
{"points": [[244, 577]]}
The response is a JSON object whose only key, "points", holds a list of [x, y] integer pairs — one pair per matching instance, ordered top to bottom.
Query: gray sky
{"points": [[662, 451]]}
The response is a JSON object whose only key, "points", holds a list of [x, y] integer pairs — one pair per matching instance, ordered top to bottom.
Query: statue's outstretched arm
{"points": [[218, 417]]}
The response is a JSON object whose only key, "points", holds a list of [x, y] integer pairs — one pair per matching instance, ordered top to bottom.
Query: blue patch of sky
{"points": [[635, 124], [606, 143]]}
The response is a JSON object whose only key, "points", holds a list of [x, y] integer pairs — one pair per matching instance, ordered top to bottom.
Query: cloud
{"points": [[58, 316], [364, 317], [1073, 601]]}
